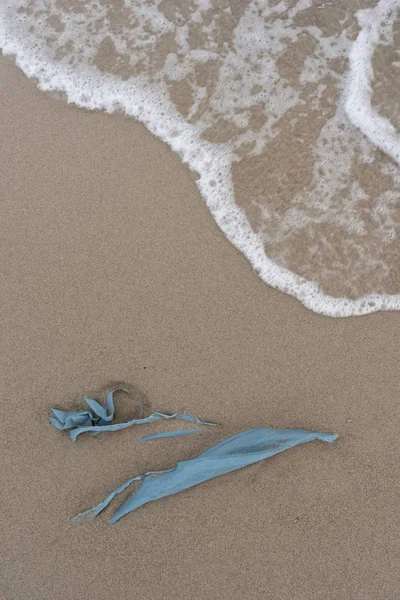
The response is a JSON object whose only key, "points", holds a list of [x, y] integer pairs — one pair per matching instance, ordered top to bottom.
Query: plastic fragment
{"points": [[95, 415], [156, 416], [97, 418], [168, 434], [233, 453], [96, 510]]}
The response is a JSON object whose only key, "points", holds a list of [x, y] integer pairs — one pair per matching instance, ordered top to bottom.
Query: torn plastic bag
{"points": [[98, 419], [241, 450]]}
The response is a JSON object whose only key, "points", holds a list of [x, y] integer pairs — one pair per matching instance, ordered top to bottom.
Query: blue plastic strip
{"points": [[156, 416], [97, 418], [168, 434], [233, 453]]}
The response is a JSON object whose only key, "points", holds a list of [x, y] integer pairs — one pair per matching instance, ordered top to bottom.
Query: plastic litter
{"points": [[97, 419], [167, 434], [233, 453]]}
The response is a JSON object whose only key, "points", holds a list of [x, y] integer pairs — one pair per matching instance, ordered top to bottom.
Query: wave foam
{"points": [[57, 50]]}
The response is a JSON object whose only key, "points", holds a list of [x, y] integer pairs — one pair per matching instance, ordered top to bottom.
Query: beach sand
{"points": [[113, 269]]}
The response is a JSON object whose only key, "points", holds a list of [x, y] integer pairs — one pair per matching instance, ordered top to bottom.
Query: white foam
{"points": [[146, 100], [359, 109]]}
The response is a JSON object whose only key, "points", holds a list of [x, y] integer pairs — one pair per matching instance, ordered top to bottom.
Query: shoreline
{"points": [[243, 238]]}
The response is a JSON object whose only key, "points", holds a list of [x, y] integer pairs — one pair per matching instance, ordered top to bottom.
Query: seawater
{"points": [[287, 111]]}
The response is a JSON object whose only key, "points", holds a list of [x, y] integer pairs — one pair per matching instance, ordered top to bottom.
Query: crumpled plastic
{"points": [[97, 419], [236, 452]]}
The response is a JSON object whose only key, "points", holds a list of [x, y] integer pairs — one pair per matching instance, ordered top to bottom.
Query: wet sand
{"points": [[113, 269]]}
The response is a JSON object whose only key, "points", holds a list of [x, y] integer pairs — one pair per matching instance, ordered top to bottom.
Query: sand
{"points": [[113, 269]]}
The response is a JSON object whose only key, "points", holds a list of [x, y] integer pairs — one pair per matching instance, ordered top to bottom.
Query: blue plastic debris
{"points": [[95, 415], [156, 416], [97, 418], [168, 434], [229, 455]]}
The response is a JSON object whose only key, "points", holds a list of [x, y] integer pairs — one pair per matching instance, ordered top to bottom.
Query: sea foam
{"points": [[143, 58]]}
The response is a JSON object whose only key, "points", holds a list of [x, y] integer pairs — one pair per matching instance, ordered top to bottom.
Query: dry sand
{"points": [[113, 269]]}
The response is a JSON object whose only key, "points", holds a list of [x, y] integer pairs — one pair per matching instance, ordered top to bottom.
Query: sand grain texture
{"points": [[113, 269]]}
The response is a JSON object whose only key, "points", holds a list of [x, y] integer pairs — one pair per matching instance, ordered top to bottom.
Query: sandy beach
{"points": [[112, 269]]}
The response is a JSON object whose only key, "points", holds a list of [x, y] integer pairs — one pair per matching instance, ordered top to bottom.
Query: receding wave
{"points": [[287, 111]]}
